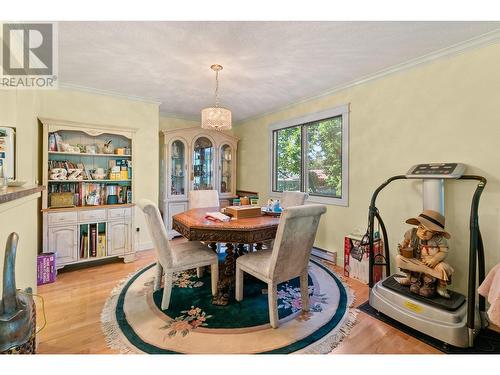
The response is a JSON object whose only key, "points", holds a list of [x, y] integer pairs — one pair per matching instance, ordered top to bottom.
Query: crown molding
{"points": [[455, 49], [70, 86], [179, 116], [79, 125], [198, 130]]}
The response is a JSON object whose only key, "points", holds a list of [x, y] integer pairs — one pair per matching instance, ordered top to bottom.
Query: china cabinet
{"points": [[195, 159], [87, 207]]}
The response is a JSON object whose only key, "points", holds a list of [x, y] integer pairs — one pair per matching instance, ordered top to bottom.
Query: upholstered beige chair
{"points": [[203, 198], [293, 198], [289, 199], [288, 258], [170, 259]]}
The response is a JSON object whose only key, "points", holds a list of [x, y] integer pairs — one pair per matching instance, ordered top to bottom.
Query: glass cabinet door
{"points": [[177, 169], [226, 169], [202, 175]]}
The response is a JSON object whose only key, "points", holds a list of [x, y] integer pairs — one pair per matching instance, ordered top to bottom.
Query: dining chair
{"points": [[203, 198], [293, 198], [289, 199], [181, 257], [289, 257]]}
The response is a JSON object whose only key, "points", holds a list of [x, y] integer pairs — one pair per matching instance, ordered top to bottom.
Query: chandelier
{"points": [[218, 118]]}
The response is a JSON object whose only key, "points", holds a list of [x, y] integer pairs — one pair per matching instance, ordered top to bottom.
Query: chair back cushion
{"points": [[203, 198], [293, 198], [157, 232], [294, 241]]}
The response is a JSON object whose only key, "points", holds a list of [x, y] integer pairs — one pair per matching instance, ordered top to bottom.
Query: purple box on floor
{"points": [[46, 268]]}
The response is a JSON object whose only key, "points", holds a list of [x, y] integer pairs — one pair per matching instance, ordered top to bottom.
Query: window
{"points": [[310, 155]]}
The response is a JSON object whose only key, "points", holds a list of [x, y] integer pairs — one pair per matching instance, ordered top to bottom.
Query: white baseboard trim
{"points": [[145, 246], [330, 256]]}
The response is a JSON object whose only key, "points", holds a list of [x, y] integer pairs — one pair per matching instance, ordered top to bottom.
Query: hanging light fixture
{"points": [[218, 118]]}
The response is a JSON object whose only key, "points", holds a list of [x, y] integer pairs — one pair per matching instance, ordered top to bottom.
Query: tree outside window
{"points": [[308, 157]]}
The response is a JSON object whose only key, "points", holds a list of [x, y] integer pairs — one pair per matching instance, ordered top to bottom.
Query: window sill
{"points": [[315, 199]]}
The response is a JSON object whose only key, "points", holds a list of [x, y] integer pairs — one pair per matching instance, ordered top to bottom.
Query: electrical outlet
{"points": [[137, 229]]}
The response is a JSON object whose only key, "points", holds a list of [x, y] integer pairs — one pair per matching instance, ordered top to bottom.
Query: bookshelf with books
{"points": [[87, 206], [93, 241]]}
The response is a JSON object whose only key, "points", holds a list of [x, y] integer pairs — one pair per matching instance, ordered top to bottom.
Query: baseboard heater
{"points": [[325, 255]]}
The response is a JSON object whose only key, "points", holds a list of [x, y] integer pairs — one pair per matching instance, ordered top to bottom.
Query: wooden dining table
{"points": [[236, 233]]}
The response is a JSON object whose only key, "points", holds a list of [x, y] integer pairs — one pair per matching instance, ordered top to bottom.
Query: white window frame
{"points": [[343, 111]]}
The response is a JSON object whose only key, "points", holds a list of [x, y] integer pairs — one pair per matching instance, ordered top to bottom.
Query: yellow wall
{"points": [[21, 108], [445, 110], [170, 123], [20, 216]]}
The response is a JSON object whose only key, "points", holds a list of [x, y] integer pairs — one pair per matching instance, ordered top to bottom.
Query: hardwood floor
{"points": [[74, 302]]}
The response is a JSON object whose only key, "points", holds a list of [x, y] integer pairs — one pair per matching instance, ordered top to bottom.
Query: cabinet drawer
{"points": [[118, 213], [92, 215], [61, 218]]}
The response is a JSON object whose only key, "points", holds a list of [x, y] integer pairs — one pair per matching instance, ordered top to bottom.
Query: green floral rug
{"points": [[134, 322]]}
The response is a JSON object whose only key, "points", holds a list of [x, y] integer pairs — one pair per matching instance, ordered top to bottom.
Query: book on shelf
{"points": [[93, 241], [101, 245], [84, 246], [96, 247]]}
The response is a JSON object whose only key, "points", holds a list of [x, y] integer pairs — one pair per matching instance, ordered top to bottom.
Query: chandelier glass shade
{"points": [[216, 117]]}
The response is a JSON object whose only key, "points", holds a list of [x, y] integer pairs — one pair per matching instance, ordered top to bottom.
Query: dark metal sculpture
{"points": [[17, 309]]}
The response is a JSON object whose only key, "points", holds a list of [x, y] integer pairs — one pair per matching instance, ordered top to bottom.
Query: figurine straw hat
{"points": [[430, 220]]}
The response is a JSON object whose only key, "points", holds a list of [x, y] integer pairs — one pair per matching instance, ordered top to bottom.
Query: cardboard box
{"points": [[115, 176], [241, 212], [46, 268], [358, 269]]}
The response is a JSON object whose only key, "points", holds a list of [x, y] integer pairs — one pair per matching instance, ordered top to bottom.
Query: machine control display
{"points": [[436, 170]]}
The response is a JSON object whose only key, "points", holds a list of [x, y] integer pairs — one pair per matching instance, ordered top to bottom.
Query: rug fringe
{"points": [[109, 326], [339, 333]]}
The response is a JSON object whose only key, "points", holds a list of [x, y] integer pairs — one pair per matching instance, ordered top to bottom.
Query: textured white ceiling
{"points": [[267, 65]]}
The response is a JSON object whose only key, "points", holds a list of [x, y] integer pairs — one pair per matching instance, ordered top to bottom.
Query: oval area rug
{"points": [[133, 321]]}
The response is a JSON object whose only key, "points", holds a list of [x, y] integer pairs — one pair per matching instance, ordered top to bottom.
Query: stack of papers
{"points": [[217, 216]]}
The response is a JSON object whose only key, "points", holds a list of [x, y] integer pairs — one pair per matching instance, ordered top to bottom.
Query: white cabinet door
{"points": [[175, 208], [118, 238], [64, 242]]}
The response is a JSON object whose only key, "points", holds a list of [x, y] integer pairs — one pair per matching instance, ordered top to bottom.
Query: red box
{"points": [[46, 268], [358, 269]]}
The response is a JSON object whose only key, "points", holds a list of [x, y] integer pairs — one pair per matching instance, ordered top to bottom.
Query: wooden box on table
{"points": [[242, 212]]}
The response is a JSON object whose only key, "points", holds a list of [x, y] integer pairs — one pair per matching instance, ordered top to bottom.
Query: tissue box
{"points": [[241, 212], [45, 268]]}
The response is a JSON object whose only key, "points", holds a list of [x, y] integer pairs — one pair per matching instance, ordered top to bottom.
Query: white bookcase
{"points": [[96, 226]]}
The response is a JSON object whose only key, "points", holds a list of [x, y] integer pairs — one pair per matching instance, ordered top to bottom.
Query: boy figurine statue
{"points": [[422, 255]]}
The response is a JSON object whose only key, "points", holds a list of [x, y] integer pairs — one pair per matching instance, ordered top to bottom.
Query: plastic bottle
{"points": [[277, 206]]}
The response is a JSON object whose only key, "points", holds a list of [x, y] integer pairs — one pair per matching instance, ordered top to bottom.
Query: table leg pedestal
{"points": [[241, 249], [225, 286]]}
